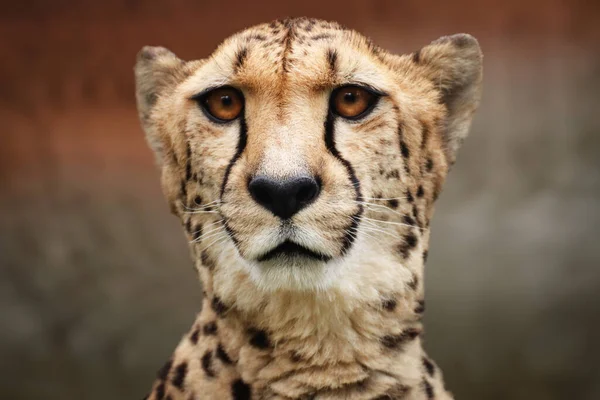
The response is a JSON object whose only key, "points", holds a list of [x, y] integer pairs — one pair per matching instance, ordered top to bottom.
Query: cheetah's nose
{"points": [[286, 197]]}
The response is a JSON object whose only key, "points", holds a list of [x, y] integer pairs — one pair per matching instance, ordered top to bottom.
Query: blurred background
{"points": [[96, 286]]}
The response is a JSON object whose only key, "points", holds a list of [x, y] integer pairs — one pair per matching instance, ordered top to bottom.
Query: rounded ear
{"points": [[454, 65], [157, 70]]}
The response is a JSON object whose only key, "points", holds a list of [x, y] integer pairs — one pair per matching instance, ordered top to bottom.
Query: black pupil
{"points": [[349, 97], [226, 100]]}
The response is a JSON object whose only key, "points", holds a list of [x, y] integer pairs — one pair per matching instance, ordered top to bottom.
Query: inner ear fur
{"points": [[454, 64], [157, 71]]}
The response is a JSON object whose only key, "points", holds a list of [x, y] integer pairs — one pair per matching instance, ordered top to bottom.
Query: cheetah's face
{"points": [[297, 135]]}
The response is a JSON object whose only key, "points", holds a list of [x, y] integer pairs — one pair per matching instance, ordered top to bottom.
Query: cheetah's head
{"points": [[303, 148]]}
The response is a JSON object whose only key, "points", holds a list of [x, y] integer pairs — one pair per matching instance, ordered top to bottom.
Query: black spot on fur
{"points": [[321, 36], [257, 37], [417, 57], [240, 58], [332, 60], [424, 135], [404, 149], [429, 165], [394, 174], [420, 191], [409, 196], [198, 200], [393, 203], [415, 213], [407, 219], [188, 225], [197, 232], [411, 240], [425, 255], [207, 261], [414, 282], [389, 304], [218, 306], [420, 308], [210, 328], [194, 335], [259, 338], [396, 341], [222, 355], [295, 357], [206, 362], [429, 367], [163, 372], [179, 375], [428, 389], [240, 390], [160, 391]]}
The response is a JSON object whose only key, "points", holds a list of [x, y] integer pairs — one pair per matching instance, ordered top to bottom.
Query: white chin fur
{"points": [[302, 275]]}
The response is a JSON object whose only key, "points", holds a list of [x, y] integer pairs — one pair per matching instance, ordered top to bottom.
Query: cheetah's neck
{"points": [[296, 345]]}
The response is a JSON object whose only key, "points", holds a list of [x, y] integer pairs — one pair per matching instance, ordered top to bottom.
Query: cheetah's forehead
{"points": [[291, 56]]}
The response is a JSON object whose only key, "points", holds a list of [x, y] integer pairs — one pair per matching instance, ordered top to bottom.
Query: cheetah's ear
{"points": [[454, 65], [156, 71]]}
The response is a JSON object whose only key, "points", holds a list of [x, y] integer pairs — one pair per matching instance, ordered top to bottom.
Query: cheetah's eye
{"points": [[352, 102], [223, 104]]}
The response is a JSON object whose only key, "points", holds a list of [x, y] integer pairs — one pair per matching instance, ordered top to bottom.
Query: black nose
{"points": [[286, 197]]}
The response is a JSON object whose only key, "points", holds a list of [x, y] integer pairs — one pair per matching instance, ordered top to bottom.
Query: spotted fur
{"points": [[347, 326]]}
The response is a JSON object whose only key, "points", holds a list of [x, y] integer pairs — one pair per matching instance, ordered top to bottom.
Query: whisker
{"points": [[383, 198], [369, 205], [200, 207], [201, 212], [389, 222], [205, 226], [373, 228], [354, 233], [206, 235], [217, 240]]}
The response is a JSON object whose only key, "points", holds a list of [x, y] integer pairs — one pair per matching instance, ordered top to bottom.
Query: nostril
{"points": [[262, 190], [308, 190], [261, 195]]}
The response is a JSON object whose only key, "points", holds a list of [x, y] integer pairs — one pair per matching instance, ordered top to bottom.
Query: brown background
{"points": [[95, 282]]}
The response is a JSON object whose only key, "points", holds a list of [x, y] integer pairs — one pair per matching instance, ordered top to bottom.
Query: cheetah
{"points": [[303, 162]]}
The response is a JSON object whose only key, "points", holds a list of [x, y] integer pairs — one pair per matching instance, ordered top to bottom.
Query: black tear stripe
{"points": [[330, 144], [241, 145]]}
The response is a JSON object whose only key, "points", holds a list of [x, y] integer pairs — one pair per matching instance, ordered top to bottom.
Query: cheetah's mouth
{"points": [[292, 250]]}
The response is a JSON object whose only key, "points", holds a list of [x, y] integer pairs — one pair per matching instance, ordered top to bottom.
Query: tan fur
{"points": [[349, 328]]}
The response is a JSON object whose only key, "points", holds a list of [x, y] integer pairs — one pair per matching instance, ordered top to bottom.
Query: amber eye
{"points": [[352, 101], [223, 104]]}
